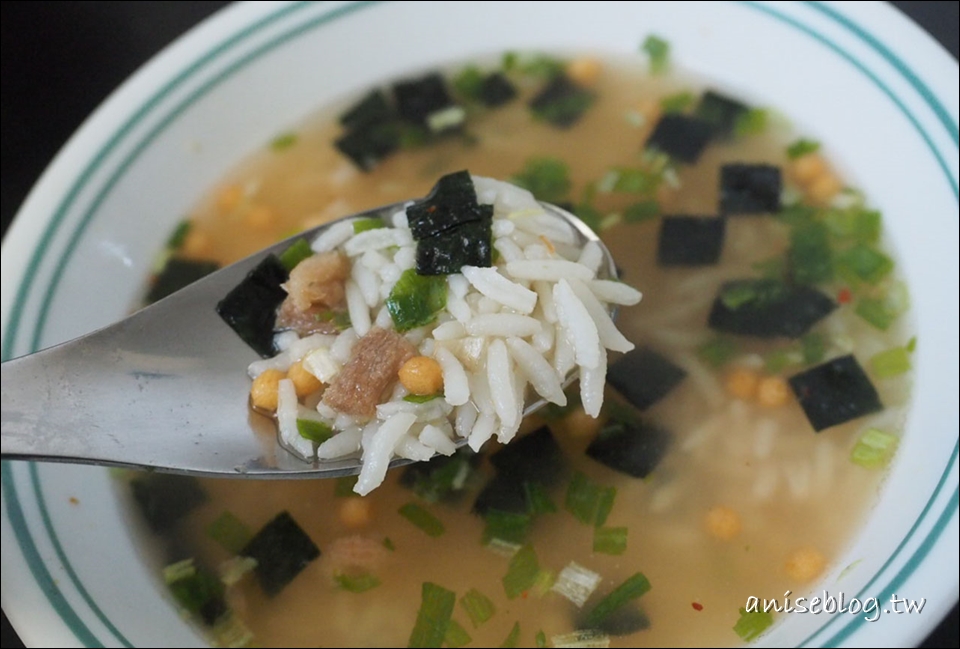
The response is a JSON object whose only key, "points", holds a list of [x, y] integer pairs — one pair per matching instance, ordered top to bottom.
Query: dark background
{"points": [[61, 59]]}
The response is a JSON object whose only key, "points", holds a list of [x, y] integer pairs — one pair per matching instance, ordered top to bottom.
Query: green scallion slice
{"points": [[659, 52], [677, 102], [751, 122], [801, 147], [546, 178], [642, 211], [371, 223], [179, 236], [297, 252], [863, 263], [416, 299], [876, 312], [813, 347], [716, 352], [891, 362], [421, 398], [316, 431], [874, 449], [538, 500], [589, 502], [423, 519], [511, 527], [230, 532], [610, 540], [388, 544], [521, 573], [357, 583], [634, 587], [478, 606], [433, 618], [751, 624], [456, 635], [513, 638], [540, 639]]}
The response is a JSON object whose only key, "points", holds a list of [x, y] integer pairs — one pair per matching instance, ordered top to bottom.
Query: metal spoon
{"points": [[166, 389]]}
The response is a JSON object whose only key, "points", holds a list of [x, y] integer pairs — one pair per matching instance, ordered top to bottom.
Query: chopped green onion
{"points": [[659, 52], [510, 61], [542, 66], [469, 82], [677, 102], [751, 122], [283, 141], [801, 147], [546, 178], [631, 180], [642, 211], [797, 214], [370, 223], [854, 223], [176, 240], [297, 252], [810, 255], [863, 263], [772, 268], [415, 300], [876, 312], [911, 345], [813, 346], [716, 352], [780, 359], [891, 362], [421, 398], [316, 431], [874, 449], [343, 487], [538, 500], [589, 502], [423, 519], [506, 526], [230, 532], [610, 540], [388, 544], [233, 569], [179, 570], [521, 573], [544, 582], [358, 583], [576, 583], [634, 587], [193, 588], [478, 606], [433, 618], [752, 623], [230, 631], [456, 635], [513, 638], [540, 639], [586, 639]]}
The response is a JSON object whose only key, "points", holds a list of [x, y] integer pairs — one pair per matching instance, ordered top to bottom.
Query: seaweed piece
{"points": [[496, 90], [418, 98], [562, 102], [372, 109], [721, 112], [681, 137], [369, 144], [749, 189], [451, 202], [690, 240], [469, 244], [176, 274], [251, 307], [768, 308], [644, 377], [835, 392], [630, 446], [534, 458], [442, 478], [164, 499], [282, 549], [200, 591]]}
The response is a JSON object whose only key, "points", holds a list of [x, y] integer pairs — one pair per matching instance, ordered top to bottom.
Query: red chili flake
{"points": [[844, 296], [697, 606]]}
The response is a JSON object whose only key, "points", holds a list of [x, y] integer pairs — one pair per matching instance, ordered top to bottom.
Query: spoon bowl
{"points": [[165, 389]]}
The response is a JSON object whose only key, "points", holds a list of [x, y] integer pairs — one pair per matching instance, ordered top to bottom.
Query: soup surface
{"points": [[747, 499]]}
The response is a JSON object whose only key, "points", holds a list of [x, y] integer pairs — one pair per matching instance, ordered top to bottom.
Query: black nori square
{"points": [[496, 90], [418, 98], [562, 102], [372, 109], [720, 111], [681, 137], [367, 145], [749, 189], [451, 202], [690, 240], [468, 244], [178, 273], [251, 307], [767, 308], [644, 377], [835, 392], [632, 447], [533, 458], [164, 498], [282, 549]]}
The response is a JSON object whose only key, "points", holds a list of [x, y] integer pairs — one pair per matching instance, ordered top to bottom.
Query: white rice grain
{"points": [[333, 237], [377, 239], [508, 249], [591, 256], [551, 270], [368, 282], [497, 287], [615, 292], [357, 308], [577, 324], [503, 325], [450, 330], [610, 336], [342, 347], [537, 371], [500, 378], [592, 381], [456, 388], [287, 410], [465, 419], [483, 430], [436, 439], [411, 448], [376, 455]]}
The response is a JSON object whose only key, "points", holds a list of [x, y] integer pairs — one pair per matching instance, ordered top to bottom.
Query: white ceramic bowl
{"points": [[857, 76]]}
